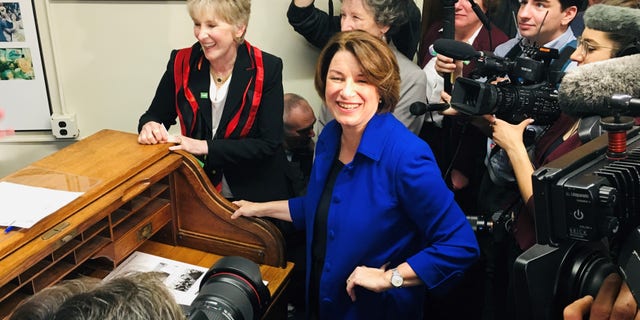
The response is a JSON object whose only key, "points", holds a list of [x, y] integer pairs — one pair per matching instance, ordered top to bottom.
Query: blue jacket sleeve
{"points": [[451, 246]]}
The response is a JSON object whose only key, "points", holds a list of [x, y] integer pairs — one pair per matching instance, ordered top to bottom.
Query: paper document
{"points": [[23, 206], [182, 279]]}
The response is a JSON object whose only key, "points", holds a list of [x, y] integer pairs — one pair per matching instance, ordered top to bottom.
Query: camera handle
{"points": [[448, 32]]}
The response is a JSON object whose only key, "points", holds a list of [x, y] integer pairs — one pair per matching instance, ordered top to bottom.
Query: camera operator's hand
{"points": [[446, 64], [446, 98], [509, 136], [614, 301]]}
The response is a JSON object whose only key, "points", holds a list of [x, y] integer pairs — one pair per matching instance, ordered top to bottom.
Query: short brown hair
{"points": [[377, 61]]}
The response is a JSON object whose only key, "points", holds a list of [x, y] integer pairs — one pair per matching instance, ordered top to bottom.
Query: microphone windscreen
{"points": [[455, 49], [586, 90]]}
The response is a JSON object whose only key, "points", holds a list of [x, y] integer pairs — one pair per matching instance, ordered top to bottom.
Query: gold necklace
{"points": [[221, 79]]}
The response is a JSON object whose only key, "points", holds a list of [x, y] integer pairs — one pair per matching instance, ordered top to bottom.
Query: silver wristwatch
{"points": [[396, 278]]}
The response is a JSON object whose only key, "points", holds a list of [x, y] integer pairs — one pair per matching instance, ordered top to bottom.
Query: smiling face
{"points": [[355, 15], [543, 20], [216, 36], [351, 99]]}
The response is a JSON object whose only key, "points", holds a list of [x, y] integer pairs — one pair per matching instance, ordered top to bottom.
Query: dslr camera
{"points": [[530, 92], [587, 215], [232, 289]]}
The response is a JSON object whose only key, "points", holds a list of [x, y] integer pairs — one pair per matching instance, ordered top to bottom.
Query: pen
{"points": [[9, 227]]}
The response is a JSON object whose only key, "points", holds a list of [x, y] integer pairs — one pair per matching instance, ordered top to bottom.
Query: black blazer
{"points": [[254, 166]]}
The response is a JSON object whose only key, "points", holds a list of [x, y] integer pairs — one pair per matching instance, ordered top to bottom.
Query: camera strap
{"points": [[563, 60]]}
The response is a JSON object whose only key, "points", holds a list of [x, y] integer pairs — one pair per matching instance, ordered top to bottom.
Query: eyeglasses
{"points": [[586, 46]]}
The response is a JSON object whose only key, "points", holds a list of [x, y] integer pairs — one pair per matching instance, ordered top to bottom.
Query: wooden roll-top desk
{"points": [[135, 197]]}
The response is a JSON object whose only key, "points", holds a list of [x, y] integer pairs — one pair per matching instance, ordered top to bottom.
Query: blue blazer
{"points": [[389, 205]]}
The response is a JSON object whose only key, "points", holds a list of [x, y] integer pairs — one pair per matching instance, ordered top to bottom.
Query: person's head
{"points": [[377, 17], [466, 19], [542, 21], [219, 25], [610, 31], [357, 76], [298, 119], [135, 296], [44, 304]]}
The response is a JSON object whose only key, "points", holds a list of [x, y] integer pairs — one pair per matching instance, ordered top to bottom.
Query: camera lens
{"points": [[583, 269], [233, 290]]}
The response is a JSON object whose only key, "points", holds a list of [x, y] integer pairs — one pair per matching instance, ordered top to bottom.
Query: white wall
{"points": [[105, 58]]}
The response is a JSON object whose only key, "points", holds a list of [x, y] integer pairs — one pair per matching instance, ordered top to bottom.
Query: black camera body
{"points": [[531, 91], [587, 226], [232, 289]]}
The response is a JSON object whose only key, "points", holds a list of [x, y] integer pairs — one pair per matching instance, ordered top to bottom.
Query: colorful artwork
{"points": [[16, 63]]}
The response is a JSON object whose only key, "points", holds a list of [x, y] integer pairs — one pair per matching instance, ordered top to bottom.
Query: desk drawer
{"points": [[130, 234]]}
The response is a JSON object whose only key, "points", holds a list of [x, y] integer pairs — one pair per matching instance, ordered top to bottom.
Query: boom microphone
{"points": [[458, 50], [603, 88]]}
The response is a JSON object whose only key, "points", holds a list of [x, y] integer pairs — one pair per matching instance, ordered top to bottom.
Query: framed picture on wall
{"points": [[23, 85]]}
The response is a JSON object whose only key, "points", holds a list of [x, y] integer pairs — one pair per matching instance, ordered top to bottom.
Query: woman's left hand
{"points": [[508, 136], [193, 146], [372, 279]]}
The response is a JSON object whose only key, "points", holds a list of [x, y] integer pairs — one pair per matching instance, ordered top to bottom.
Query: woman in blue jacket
{"points": [[381, 225]]}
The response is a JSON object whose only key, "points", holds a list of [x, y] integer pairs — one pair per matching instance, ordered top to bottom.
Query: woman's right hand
{"points": [[153, 133], [246, 209]]}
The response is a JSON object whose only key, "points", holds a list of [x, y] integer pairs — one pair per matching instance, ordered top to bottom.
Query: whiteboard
{"points": [[23, 86]]}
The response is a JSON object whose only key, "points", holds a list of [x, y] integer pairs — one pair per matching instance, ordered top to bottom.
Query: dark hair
{"points": [[580, 4], [377, 61]]}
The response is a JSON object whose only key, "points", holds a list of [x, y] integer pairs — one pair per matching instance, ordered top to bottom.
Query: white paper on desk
{"points": [[22, 206], [182, 279]]}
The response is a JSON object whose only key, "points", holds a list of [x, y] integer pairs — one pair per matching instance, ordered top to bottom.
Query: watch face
{"points": [[396, 279]]}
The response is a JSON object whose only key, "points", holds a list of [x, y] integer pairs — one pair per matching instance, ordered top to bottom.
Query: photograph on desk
{"points": [[182, 279]]}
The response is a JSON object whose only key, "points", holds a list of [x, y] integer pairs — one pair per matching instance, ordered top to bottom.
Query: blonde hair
{"points": [[234, 12]]}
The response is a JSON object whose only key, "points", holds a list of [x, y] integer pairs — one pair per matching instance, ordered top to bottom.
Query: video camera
{"points": [[530, 92], [587, 226], [232, 289]]}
